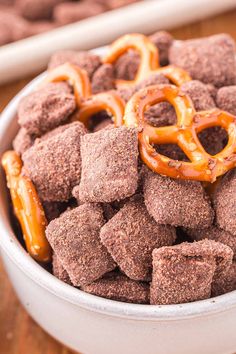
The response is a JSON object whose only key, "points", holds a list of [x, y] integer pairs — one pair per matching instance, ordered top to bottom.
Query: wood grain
{"points": [[19, 334]]}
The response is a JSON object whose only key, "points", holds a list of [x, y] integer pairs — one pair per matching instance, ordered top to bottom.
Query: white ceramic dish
{"points": [[94, 325]]}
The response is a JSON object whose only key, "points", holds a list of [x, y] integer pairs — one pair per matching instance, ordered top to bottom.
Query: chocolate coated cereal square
{"points": [[210, 59], [54, 164], [109, 165], [177, 202], [130, 237], [74, 238], [116, 286]]}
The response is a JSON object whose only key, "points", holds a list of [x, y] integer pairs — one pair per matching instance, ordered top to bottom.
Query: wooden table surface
{"points": [[19, 334]]}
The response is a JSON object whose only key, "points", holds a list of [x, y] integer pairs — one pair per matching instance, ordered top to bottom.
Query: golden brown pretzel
{"points": [[149, 60], [77, 77], [107, 101], [202, 166], [27, 208]]}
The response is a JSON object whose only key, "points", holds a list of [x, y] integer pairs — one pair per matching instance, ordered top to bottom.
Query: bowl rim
{"points": [[12, 248]]}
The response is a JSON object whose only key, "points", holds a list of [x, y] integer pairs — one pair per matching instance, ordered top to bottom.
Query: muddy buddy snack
{"points": [[162, 41], [85, 60], [210, 60], [126, 66], [103, 79], [199, 94], [225, 99], [46, 108], [23, 141], [54, 164], [109, 165], [122, 176], [176, 202], [224, 203], [214, 233], [74, 237], [130, 237], [59, 271], [184, 273], [116, 286]]}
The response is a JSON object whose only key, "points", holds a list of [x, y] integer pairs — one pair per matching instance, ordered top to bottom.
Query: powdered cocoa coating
{"points": [[36, 10], [69, 12], [162, 41], [210, 59], [85, 60], [127, 65], [103, 79], [153, 79], [212, 91], [125, 93], [199, 94], [226, 99], [46, 108], [161, 115], [57, 131], [213, 139], [23, 141], [54, 164], [109, 165], [75, 194], [224, 200], [177, 202], [214, 233], [131, 236], [74, 237], [222, 254], [59, 271], [181, 275], [226, 282], [118, 287]]}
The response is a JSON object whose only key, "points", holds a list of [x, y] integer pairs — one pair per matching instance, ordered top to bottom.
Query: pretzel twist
{"points": [[149, 60], [77, 77], [107, 101], [202, 166], [27, 208]]}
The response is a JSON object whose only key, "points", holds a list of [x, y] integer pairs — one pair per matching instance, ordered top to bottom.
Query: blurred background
{"points": [[30, 31]]}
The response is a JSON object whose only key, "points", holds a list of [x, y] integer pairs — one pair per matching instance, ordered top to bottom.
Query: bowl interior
{"points": [[11, 246]]}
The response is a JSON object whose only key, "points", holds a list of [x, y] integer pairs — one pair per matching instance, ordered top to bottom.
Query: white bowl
{"points": [[94, 325]]}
